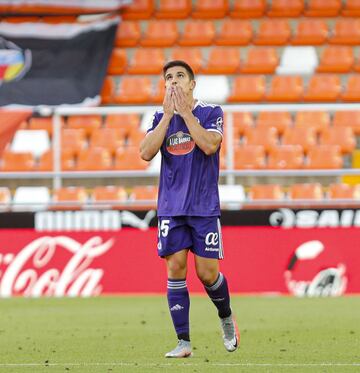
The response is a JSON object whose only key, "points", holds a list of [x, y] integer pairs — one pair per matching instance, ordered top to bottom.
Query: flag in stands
{"points": [[54, 64]]}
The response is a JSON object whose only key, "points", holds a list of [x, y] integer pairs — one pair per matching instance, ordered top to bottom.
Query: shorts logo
{"points": [[180, 143], [212, 238]]}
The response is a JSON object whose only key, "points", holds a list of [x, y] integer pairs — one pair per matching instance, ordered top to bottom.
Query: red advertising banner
{"points": [[312, 262]]}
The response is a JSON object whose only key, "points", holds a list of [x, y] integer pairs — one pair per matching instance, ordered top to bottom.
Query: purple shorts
{"points": [[200, 234]]}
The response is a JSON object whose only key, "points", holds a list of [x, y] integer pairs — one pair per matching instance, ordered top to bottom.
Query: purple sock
{"points": [[219, 294], [179, 305]]}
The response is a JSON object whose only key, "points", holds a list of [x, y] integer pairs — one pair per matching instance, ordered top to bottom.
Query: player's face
{"points": [[178, 75]]}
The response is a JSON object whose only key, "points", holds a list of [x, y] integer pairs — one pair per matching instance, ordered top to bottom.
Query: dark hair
{"points": [[182, 64]]}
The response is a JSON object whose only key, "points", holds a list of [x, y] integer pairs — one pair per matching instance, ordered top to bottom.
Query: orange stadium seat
{"points": [[248, 8], [286, 8], [323, 8], [351, 8], [138, 9], [173, 9], [210, 9], [22, 19], [59, 19], [346, 31], [234, 32], [273, 32], [310, 32], [197, 33], [128, 34], [160, 34], [192, 56], [336, 59], [222, 60], [262, 60], [146, 61], [118, 62], [323, 87], [248, 89], [285, 89], [133, 90], [107, 91], [352, 91], [159, 93], [347, 119], [281, 120], [319, 120], [88, 122], [242, 122], [43, 123], [123, 123], [265, 136], [304, 136], [342, 136], [108, 138], [73, 139], [134, 139], [325, 156], [249, 157], [286, 157], [94, 159], [129, 159], [67, 160], [12, 161], [266, 191], [306, 191], [343, 191], [109, 193], [144, 193], [5, 198], [69, 198]]}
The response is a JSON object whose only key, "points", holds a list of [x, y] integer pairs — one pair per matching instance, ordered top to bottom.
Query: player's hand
{"points": [[168, 103], [181, 104]]}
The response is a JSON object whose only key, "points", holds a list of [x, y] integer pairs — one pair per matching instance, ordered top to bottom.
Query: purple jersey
{"points": [[189, 177]]}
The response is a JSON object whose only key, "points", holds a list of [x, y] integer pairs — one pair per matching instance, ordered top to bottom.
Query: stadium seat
{"points": [[248, 8], [286, 8], [322, 8], [351, 8], [138, 9], [173, 9], [210, 9], [22, 19], [59, 19], [346, 31], [234, 32], [273, 32], [310, 32], [197, 33], [128, 34], [160, 34], [193, 56], [336, 59], [222, 60], [261, 60], [146, 61], [298, 61], [118, 62], [323, 87], [219, 88], [248, 89], [285, 89], [133, 90], [107, 91], [352, 91], [158, 95], [347, 119], [281, 120], [319, 120], [242, 121], [43, 123], [88, 123], [123, 123], [265, 136], [304, 136], [342, 136], [108, 138], [73, 139], [134, 139], [36, 142], [249, 157], [286, 157], [325, 157], [94, 159], [129, 159], [67, 161], [12, 162], [306, 191], [343, 191], [266, 192], [102, 195], [145, 196], [231, 196], [28, 198], [69, 198], [5, 199]]}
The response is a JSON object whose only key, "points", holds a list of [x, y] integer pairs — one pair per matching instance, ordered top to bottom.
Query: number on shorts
{"points": [[164, 227]]}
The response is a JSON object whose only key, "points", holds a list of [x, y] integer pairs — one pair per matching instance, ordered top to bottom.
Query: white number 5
{"points": [[164, 227]]}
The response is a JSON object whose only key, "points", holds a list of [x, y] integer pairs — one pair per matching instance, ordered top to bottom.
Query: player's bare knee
{"points": [[176, 269], [207, 276]]}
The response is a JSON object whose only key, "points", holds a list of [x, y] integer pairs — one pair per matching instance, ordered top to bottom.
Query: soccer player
{"points": [[188, 132]]}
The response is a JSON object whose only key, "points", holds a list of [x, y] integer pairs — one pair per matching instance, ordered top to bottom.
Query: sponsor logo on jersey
{"points": [[180, 143]]}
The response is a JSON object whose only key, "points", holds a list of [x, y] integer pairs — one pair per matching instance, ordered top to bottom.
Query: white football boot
{"points": [[231, 334], [183, 349]]}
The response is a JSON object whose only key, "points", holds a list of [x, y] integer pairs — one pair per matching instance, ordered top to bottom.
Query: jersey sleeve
{"points": [[215, 121], [154, 122]]}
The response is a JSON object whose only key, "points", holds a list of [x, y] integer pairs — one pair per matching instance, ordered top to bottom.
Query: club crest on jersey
{"points": [[180, 143]]}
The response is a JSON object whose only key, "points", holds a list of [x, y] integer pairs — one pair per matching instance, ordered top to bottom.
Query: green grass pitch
{"points": [[131, 334]]}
